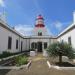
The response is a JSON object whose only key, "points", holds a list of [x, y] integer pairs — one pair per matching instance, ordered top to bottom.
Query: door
{"points": [[39, 46]]}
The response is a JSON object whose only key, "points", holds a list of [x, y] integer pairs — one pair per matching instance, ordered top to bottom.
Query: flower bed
{"points": [[16, 63]]}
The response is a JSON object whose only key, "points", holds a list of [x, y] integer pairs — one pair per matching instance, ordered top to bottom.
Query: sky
{"points": [[21, 14]]}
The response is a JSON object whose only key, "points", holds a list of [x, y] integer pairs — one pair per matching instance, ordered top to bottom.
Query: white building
{"points": [[13, 41]]}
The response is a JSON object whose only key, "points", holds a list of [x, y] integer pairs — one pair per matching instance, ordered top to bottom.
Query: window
{"points": [[39, 33], [69, 40], [62, 41], [9, 42], [16, 44], [21, 45], [34, 45], [45, 45]]}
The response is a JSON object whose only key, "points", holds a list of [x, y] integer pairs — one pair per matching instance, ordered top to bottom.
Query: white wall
{"points": [[43, 30], [4, 34], [71, 34], [40, 40], [26, 44]]}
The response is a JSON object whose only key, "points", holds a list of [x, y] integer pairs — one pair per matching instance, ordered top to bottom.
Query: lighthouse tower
{"points": [[40, 29]]}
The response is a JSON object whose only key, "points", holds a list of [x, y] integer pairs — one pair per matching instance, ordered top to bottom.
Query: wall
{"points": [[43, 30], [4, 34], [68, 34], [48, 40], [26, 43]]}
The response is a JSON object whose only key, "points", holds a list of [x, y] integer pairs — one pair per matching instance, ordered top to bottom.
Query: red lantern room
{"points": [[39, 21]]}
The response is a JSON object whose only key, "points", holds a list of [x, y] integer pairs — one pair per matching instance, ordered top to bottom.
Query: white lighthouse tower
{"points": [[40, 29]]}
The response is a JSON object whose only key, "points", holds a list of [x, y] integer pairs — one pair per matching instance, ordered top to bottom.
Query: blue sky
{"points": [[58, 14]]}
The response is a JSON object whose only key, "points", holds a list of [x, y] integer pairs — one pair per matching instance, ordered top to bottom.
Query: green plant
{"points": [[61, 49], [5, 54], [21, 60]]}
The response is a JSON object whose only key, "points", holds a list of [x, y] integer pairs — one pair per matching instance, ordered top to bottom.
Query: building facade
{"points": [[40, 39], [13, 41]]}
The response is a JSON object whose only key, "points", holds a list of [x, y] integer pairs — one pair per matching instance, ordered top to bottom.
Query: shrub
{"points": [[61, 49], [5, 54], [21, 60]]}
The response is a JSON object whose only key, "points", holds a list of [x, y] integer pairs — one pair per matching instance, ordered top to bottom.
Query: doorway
{"points": [[39, 45]]}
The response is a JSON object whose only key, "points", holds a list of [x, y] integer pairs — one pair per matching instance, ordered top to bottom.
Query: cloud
{"points": [[2, 4], [58, 25], [25, 30], [49, 31]]}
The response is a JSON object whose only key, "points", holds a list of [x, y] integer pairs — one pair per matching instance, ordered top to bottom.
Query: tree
{"points": [[61, 49]]}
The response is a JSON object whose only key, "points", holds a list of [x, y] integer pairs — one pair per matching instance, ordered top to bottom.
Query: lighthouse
{"points": [[40, 29]]}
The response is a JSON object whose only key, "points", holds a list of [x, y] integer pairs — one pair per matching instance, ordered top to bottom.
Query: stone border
{"points": [[49, 65], [15, 67], [59, 68]]}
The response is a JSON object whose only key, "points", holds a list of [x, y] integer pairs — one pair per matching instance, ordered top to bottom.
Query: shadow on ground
{"points": [[4, 72]]}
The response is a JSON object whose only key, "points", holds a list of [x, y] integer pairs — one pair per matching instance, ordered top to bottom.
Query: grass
{"points": [[21, 60]]}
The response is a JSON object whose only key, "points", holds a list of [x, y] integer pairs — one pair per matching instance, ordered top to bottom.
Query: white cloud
{"points": [[2, 3], [58, 25], [25, 30], [48, 31]]}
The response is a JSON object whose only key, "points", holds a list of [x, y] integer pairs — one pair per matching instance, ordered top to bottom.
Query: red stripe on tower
{"points": [[39, 21]]}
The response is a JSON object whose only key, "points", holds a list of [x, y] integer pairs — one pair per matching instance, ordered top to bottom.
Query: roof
{"points": [[5, 25], [72, 26], [40, 37]]}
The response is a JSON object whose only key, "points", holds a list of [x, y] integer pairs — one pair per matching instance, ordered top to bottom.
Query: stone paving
{"points": [[38, 67]]}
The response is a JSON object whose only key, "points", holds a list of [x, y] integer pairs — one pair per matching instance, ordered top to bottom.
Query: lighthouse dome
{"points": [[40, 17]]}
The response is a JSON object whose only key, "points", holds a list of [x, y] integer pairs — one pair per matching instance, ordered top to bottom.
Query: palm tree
{"points": [[61, 49]]}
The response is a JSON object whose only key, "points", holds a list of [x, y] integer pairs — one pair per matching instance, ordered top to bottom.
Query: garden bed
{"points": [[17, 62], [64, 64], [61, 66], [16, 67]]}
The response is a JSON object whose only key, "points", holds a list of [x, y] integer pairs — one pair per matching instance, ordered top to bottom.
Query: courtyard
{"points": [[38, 66]]}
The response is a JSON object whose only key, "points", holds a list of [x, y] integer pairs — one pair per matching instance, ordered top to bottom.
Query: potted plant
{"points": [[32, 52], [45, 53]]}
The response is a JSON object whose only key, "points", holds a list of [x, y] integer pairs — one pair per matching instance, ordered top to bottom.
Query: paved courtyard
{"points": [[38, 67]]}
